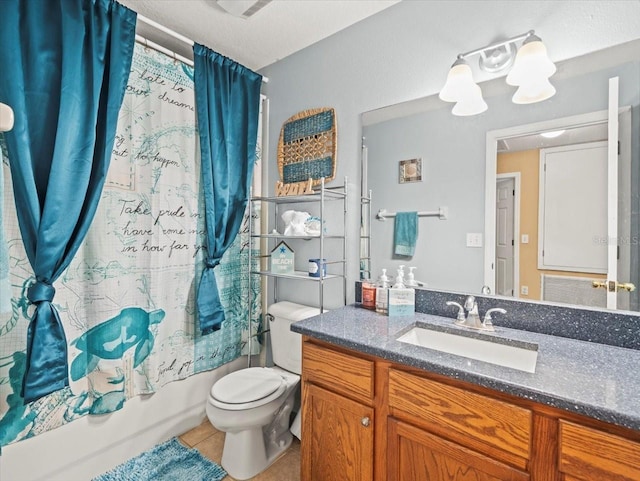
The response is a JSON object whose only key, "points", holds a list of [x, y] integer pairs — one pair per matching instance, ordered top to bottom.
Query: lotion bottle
{"points": [[411, 280], [399, 282], [382, 293]]}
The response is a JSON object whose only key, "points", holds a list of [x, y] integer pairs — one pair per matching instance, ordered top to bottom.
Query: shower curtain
{"points": [[127, 299]]}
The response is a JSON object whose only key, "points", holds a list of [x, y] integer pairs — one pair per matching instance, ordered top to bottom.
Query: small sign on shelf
{"points": [[282, 259]]}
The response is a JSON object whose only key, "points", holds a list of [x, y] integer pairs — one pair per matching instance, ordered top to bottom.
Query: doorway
{"points": [[512, 136], [507, 232]]}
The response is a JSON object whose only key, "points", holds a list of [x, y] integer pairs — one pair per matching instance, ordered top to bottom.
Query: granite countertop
{"points": [[595, 380]]}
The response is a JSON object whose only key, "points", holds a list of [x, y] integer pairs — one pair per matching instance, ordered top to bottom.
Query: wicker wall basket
{"points": [[307, 147]]}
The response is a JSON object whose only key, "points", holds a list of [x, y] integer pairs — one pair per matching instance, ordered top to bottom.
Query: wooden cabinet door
{"points": [[337, 440], [589, 454], [416, 455]]}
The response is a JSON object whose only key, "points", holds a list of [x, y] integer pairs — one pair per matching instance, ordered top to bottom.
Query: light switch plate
{"points": [[525, 238], [474, 239], [524, 290]]}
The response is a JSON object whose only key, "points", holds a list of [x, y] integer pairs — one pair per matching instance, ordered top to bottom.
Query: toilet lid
{"points": [[246, 385]]}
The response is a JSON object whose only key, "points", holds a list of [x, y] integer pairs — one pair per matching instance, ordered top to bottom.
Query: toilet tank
{"points": [[286, 345]]}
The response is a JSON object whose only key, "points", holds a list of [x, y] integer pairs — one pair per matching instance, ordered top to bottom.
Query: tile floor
{"points": [[209, 441]]}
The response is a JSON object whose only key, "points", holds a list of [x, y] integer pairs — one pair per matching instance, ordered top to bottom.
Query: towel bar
{"points": [[441, 213]]}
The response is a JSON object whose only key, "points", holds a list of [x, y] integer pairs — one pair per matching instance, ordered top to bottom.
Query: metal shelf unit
{"points": [[320, 197], [365, 236]]}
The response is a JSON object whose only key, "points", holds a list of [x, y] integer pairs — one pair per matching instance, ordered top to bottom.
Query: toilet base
{"points": [[248, 452], [256, 458]]}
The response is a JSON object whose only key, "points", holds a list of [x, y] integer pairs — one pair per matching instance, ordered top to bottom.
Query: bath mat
{"points": [[170, 461]]}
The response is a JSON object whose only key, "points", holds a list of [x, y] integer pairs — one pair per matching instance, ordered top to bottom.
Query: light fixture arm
{"points": [[495, 45]]}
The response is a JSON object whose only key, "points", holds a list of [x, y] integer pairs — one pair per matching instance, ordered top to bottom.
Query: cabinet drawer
{"points": [[339, 372], [496, 428], [587, 454], [416, 455]]}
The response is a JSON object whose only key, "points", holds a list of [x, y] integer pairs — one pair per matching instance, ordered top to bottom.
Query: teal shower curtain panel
{"points": [[127, 300]]}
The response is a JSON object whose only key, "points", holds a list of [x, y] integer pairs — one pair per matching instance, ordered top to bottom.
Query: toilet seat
{"points": [[247, 388]]}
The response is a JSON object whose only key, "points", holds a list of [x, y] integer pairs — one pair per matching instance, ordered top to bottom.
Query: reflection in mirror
{"points": [[551, 219], [452, 254]]}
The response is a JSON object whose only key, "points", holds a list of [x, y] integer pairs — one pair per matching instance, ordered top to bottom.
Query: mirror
{"points": [[450, 253]]}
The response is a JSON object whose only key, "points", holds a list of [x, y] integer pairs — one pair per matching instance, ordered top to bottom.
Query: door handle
{"points": [[613, 286], [627, 286]]}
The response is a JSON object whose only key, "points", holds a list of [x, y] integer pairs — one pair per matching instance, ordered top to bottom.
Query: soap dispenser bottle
{"points": [[411, 280], [399, 282], [382, 293]]}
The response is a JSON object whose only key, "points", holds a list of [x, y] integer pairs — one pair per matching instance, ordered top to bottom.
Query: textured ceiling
{"points": [[279, 29]]}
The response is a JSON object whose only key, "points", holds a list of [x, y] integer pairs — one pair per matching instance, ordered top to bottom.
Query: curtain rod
{"points": [[173, 34]]}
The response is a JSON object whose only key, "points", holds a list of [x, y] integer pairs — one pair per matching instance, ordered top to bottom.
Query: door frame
{"points": [[491, 153], [516, 229]]}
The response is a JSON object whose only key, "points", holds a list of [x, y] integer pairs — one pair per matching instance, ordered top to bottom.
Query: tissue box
{"points": [[402, 302]]}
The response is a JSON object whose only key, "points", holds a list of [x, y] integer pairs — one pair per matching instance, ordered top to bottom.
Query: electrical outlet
{"points": [[525, 238], [474, 239], [524, 290]]}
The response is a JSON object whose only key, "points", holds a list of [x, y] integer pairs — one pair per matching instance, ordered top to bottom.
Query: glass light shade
{"points": [[532, 62], [459, 82], [532, 92], [471, 103], [6, 118]]}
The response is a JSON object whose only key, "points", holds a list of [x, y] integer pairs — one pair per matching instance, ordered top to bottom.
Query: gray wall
{"points": [[404, 52]]}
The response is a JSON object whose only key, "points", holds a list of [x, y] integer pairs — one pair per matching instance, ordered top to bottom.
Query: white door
{"points": [[505, 194]]}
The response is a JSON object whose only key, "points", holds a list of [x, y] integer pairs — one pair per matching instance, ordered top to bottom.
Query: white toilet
{"points": [[253, 406]]}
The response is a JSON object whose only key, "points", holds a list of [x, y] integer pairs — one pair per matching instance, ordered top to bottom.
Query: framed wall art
{"points": [[307, 147], [410, 171]]}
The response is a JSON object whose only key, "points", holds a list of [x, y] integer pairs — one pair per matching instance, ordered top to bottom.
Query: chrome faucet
{"points": [[468, 315], [460, 316], [473, 318], [487, 322]]}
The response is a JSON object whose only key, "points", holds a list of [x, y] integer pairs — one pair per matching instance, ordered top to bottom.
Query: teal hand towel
{"points": [[406, 234]]}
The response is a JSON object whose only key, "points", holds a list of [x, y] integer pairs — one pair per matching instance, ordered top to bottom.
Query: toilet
{"points": [[253, 406]]}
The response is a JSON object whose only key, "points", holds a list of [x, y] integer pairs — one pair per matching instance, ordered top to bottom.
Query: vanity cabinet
{"points": [[337, 417], [366, 418]]}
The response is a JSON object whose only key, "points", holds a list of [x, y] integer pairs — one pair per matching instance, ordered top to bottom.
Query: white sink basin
{"points": [[514, 354]]}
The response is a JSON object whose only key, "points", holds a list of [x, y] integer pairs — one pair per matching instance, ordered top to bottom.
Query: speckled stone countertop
{"points": [[592, 379]]}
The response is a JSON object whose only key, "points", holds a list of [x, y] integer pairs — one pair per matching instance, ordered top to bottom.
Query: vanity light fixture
{"points": [[530, 73]]}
